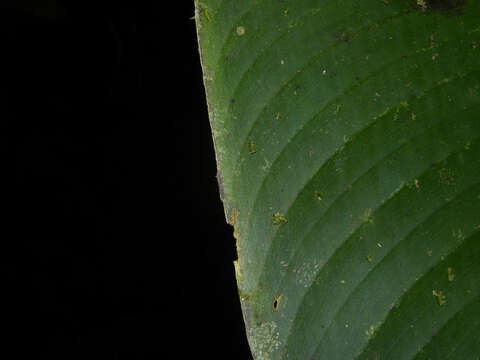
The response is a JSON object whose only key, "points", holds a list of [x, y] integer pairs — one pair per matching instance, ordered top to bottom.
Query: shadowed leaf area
{"points": [[347, 140]]}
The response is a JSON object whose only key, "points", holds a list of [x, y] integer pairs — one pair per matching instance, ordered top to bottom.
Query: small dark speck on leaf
{"points": [[445, 4], [447, 7], [232, 101], [433, 164]]}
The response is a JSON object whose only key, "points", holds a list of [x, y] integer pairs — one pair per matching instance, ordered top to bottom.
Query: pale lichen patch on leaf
{"points": [[266, 165], [447, 176], [367, 216], [458, 234], [284, 266], [305, 274], [264, 340]]}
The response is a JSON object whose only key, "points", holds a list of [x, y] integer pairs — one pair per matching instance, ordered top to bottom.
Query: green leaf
{"points": [[347, 144]]}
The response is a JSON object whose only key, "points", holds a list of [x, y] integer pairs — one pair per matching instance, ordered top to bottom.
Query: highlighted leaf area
{"points": [[347, 140]]}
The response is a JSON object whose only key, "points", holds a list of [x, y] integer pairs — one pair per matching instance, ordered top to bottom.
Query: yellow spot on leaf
{"points": [[422, 5], [240, 30], [251, 147], [416, 184], [278, 219], [450, 274], [440, 297], [370, 332]]}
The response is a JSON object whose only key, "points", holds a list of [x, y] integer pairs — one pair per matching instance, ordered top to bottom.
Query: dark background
{"points": [[114, 243]]}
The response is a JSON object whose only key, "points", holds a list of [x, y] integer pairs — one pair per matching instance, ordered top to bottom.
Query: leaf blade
{"points": [[331, 118]]}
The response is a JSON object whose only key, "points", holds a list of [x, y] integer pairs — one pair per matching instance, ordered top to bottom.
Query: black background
{"points": [[113, 239]]}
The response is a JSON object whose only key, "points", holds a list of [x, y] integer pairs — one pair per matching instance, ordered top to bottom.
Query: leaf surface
{"points": [[348, 153]]}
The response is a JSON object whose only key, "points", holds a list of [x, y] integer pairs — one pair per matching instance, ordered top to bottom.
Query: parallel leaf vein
{"points": [[311, 61], [330, 156], [359, 227], [391, 251]]}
